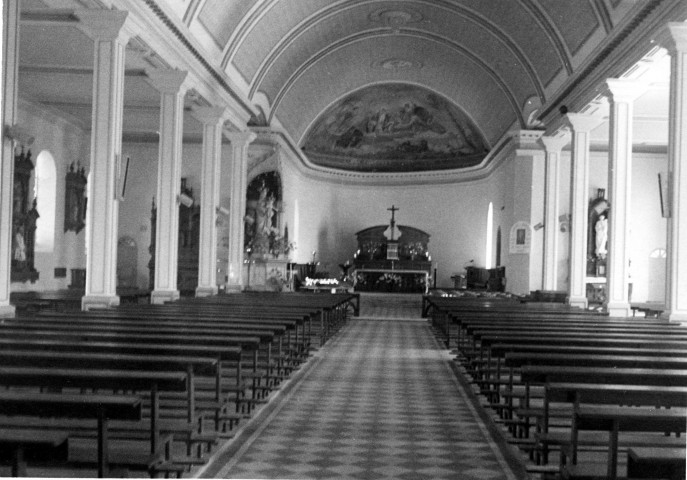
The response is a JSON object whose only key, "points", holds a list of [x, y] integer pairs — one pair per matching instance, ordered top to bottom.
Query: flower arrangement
{"points": [[280, 245]]}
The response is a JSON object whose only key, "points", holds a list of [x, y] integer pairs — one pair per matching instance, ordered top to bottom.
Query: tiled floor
{"points": [[380, 401]]}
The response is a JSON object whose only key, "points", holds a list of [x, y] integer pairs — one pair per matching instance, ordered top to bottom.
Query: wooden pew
{"points": [[101, 407], [614, 420], [52, 446]]}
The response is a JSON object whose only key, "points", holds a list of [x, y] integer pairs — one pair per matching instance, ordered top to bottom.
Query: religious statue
{"points": [[264, 213], [601, 229], [19, 246]]}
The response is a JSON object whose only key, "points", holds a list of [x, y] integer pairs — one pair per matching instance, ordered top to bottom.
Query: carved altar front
{"points": [[407, 270]]}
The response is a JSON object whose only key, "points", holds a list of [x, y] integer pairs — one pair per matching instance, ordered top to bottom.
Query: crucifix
{"points": [[392, 225]]}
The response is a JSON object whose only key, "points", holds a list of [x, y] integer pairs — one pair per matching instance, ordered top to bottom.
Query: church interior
{"points": [[313, 239]]}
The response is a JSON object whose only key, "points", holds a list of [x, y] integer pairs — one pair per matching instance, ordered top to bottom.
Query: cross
{"points": [[393, 210]]}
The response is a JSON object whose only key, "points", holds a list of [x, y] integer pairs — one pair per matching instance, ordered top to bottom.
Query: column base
{"points": [[206, 291], [158, 297], [89, 302], [579, 302], [618, 309], [7, 311], [676, 316]]}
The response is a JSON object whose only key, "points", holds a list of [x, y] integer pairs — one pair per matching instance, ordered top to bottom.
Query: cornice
{"points": [[185, 42], [614, 56], [498, 154]]}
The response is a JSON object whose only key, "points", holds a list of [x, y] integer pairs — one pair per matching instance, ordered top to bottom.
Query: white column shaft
{"points": [[675, 39], [10, 63], [622, 95], [581, 126], [106, 146], [553, 147], [239, 166], [168, 190], [209, 200]]}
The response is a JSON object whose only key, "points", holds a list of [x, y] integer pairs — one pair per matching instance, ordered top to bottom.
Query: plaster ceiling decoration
{"points": [[394, 128]]}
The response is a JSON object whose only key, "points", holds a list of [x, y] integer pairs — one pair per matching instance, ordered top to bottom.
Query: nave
{"points": [[378, 401]]}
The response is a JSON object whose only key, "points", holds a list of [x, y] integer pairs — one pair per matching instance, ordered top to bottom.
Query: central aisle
{"points": [[380, 401]]}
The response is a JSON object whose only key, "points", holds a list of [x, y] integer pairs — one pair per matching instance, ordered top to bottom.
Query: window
{"points": [[45, 193], [490, 235]]}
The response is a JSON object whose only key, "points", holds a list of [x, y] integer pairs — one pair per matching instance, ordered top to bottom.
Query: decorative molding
{"points": [[501, 36], [634, 37], [397, 64], [216, 75], [500, 82]]}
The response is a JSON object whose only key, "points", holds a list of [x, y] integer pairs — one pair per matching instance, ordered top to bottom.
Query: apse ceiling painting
{"points": [[394, 128]]}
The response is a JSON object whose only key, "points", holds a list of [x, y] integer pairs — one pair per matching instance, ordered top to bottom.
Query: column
{"points": [[105, 27], [674, 38], [10, 62], [169, 84], [621, 93], [212, 119], [581, 126], [553, 146], [237, 209]]}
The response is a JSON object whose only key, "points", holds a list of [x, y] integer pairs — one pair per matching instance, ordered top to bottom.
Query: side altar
{"points": [[392, 258]]}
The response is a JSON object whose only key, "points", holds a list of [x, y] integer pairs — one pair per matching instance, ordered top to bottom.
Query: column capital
{"points": [[103, 24], [673, 37], [167, 80], [623, 89], [209, 115], [582, 122], [240, 139], [553, 144]]}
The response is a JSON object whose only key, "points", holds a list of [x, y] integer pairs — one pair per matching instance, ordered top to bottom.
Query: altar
{"points": [[392, 258]]}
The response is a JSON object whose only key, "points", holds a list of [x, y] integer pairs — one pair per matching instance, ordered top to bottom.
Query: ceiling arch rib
{"points": [[339, 8], [245, 25], [554, 36], [482, 64], [347, 69]]}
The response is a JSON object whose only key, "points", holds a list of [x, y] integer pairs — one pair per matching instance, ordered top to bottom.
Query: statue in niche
{"points": [[264, 213], [601, 230]]}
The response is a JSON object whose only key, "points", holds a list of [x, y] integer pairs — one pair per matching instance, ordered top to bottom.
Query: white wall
{"points": [[67, 143]]}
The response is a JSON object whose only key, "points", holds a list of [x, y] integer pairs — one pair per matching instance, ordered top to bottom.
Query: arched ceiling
{"points": [[489, 58]]}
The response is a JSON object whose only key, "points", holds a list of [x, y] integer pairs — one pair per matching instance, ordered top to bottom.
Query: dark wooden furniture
{"points": [[24, 216], [189, 239], [101, 407]]}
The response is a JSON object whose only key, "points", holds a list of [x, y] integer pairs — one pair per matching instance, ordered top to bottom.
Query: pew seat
{"points": [[33, 445], [654, 463]]}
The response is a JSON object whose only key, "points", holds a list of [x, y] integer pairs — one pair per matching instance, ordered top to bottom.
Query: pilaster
{"points": [[105, 27], [674, 39], [8, 80], [170, 85], [621, 93], [212, 119], [581, 126], [553, 147], [237, 209]]}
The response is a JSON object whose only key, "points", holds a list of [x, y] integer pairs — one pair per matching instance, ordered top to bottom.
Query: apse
{"points": [[394, 128]]}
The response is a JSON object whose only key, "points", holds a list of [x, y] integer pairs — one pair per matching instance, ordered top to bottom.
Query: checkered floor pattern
{"points": [[379, 403]]}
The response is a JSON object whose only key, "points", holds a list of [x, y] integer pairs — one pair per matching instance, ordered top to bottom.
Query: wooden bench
{"points": [[101, 407], [613, 420], [52, 447], [645, 462]]}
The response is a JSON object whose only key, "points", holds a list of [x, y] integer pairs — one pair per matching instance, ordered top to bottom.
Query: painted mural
{"points": [[394, 128]]}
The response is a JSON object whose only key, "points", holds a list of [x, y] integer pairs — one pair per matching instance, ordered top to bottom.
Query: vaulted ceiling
{"points": [[499, 63]]}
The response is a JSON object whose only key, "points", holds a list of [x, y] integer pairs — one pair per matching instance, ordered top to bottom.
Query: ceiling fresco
{"points": [[394, 128]]}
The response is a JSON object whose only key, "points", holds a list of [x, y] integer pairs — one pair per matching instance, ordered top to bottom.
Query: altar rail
{"points": [[388, 280]]}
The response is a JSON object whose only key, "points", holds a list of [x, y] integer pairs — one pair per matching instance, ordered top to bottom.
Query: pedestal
{"points": [[265, 274]]}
